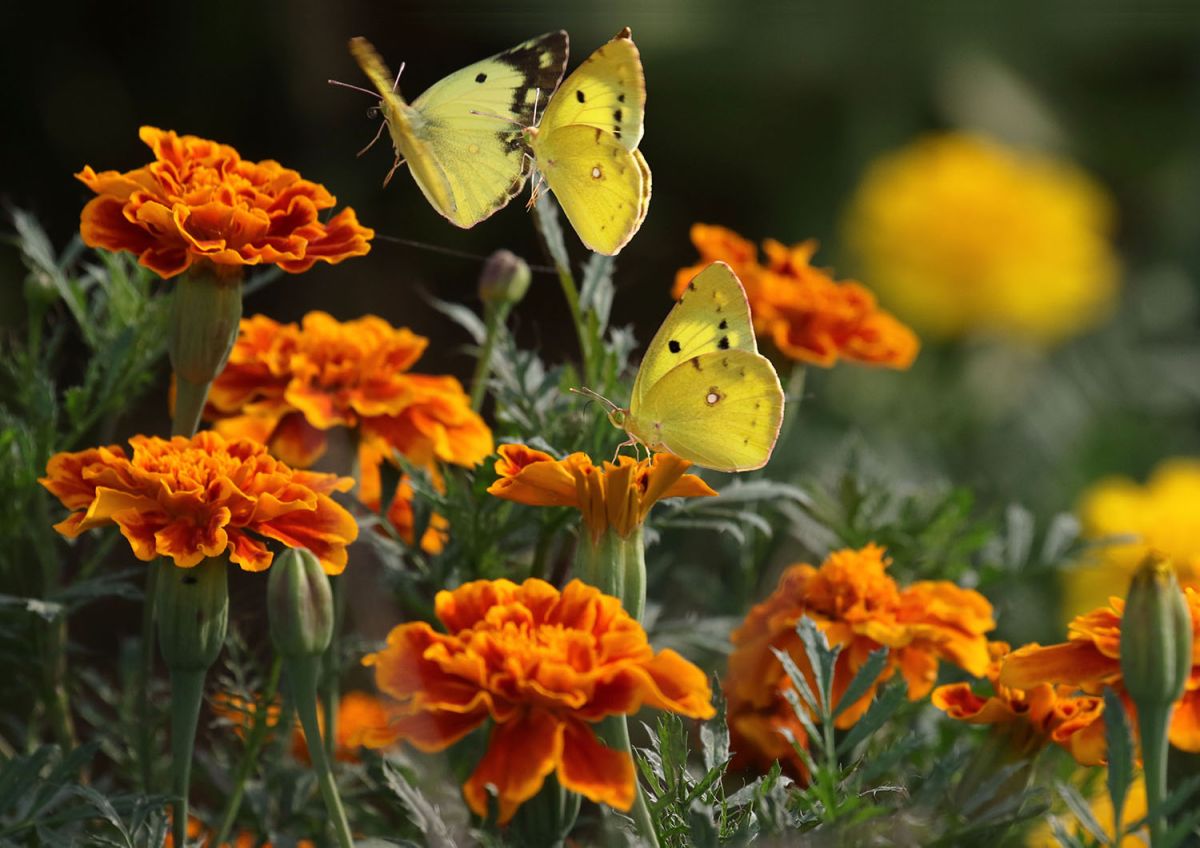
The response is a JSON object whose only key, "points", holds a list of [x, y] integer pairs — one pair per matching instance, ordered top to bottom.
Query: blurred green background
{"points": [[761, 117]]}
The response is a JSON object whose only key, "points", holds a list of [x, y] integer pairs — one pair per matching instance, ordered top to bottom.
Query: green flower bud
{"points": [[505, 279], [205, 314], [299, 604], [193, 613], [1156, 636]]}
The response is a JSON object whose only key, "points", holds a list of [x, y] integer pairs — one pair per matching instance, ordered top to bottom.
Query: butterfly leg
{"points": [[372, 142], [395, 166], [627, 443]]}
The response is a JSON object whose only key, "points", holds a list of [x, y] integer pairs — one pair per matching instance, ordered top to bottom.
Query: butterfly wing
{"points": [[607, 92], [472, 123], [426, 170], [600, 185], [711, 315], [721, 410]]}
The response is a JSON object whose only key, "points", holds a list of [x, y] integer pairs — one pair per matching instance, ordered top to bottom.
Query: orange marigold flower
{"points": [[199, 201], [809, 316], [288, 385], [617, 496], [189, 499], [860, 608], [1090, 660], [544, 666], [241, 714], [360, 716], [1076, 722]]}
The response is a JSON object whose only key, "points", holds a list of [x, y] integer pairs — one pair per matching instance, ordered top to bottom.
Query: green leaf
{"points": [[822, 658], [863, 680], [881, 710], [714, 733], [1120, 749], [1082, 810], [423, 814]]}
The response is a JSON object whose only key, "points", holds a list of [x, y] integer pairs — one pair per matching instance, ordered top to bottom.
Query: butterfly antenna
{"points": [[396, 81], [365, 91], [537, 96], [372, 143], [593, 395]]}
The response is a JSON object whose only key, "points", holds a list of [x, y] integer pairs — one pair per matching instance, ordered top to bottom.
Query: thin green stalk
{"points": [[550, 234], [493, 321], [54, 666], [302, 681], [187, 692], [330, 696], [1152, 723], [145, 731], [616, 733], [254, 743]]}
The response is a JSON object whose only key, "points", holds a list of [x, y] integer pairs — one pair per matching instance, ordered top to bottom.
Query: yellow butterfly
{"points": [[586, 146], [466, 162], [704, 392]]}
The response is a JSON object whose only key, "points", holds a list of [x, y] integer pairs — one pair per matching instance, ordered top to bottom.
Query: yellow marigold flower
{"points": [[199, 201], [963, 235], [809, 316], [288, 385], [610, 496], [189, 499], [1159, 516], [859, 607], [1090, 659], [544, 666], [1048, 712], [360, 715], [1042, 836]]}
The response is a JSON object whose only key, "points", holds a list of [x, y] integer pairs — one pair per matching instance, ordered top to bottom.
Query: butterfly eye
{"points": [[374, 112]]}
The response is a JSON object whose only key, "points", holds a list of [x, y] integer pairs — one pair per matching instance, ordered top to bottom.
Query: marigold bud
{"points": [[504, 280], [205, 314], [299, 604], [193, 613], [1156, 636]]}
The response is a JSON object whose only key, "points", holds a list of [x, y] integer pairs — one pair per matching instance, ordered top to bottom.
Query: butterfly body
{"points": [[462, 138], [585, 146], [704, 392]]}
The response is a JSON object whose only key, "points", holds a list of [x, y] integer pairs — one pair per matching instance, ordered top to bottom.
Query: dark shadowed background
{"points": [[760, 116]]}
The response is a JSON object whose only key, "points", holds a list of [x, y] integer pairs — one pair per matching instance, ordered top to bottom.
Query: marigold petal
{"points": [[532, 477], [1072, 663], [1185, 722], [520, 754], [594, 770]]}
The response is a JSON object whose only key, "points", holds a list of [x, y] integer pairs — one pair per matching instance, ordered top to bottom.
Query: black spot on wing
{"points": [[527, 60], [481, 77], [579, 95], [620, 98], [617, 116], [724, 325], [723, 344], [673, 346], [695, 360]]}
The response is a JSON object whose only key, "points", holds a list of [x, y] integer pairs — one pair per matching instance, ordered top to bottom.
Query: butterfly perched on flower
{"points": [[703, 391]]}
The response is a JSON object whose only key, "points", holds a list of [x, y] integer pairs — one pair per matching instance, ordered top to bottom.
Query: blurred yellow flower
{"points": [[960, 234], [1161, 516], [1102, 809]]}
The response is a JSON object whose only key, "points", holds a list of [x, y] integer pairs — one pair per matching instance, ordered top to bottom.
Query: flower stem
{"points": [[545, 221], [493, 321], [302, 682], [187, 691], [330, 695], [1152, 724], [145, 731], [616, 734], [254, 743]]}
